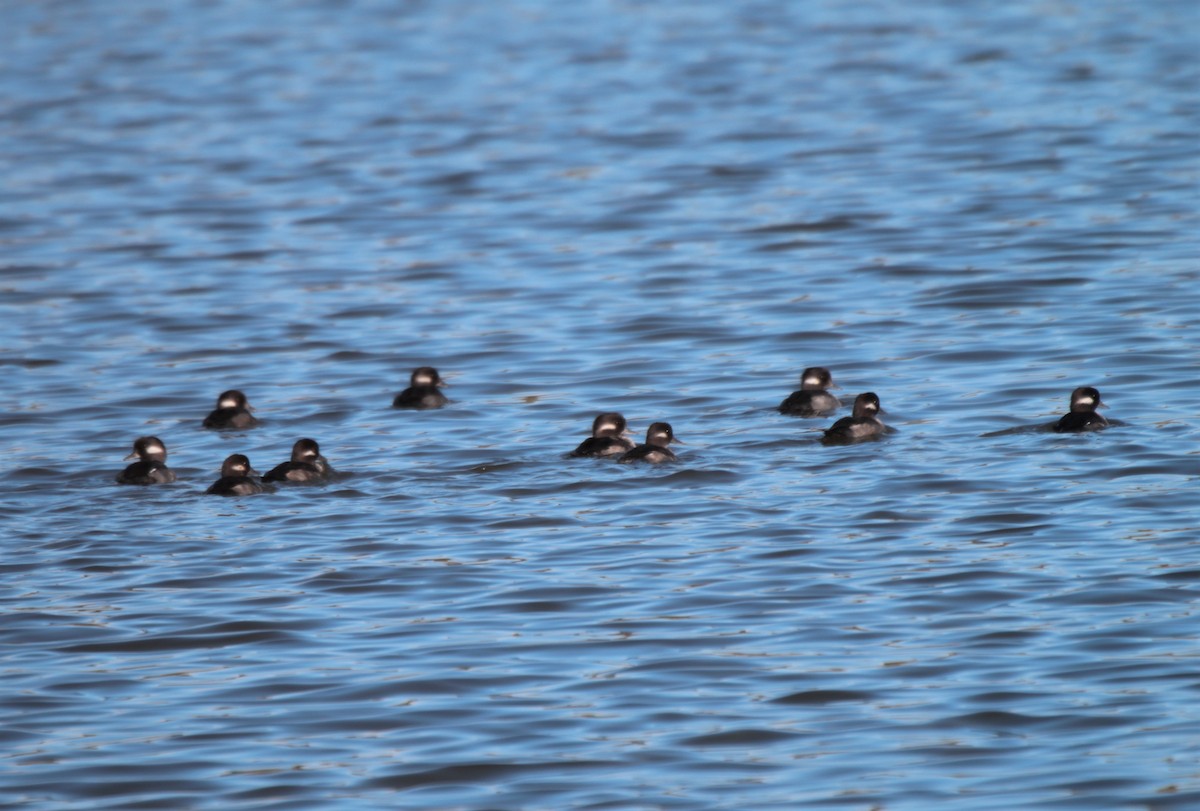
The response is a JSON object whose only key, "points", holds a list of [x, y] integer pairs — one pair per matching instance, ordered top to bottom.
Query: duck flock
{"points": [[608, 439]]}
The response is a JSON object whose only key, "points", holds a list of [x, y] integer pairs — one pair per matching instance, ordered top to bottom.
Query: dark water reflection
{"points": [[666, 210]]}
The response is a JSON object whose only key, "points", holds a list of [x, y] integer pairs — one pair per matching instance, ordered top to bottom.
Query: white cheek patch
{"points": [[422, 380], [811, 381], [1086, 400], [227, 402], [607, 426]]}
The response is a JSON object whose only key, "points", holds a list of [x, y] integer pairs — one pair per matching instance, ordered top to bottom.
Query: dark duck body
{"points": [[422, 391], [812, 400], [232, 413], [1082, 416], [861, 424], [607, 439], [654, 450], [306, 465], [151, 467], [237, 479]]}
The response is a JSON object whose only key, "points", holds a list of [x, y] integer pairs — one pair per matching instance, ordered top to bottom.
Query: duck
{"points": [[422, 392], [812, 399], [232, 413], [1082, 416], [861, 424], [607, 439], [654, 450], [306, 465], [151, 467], [237, 479]]}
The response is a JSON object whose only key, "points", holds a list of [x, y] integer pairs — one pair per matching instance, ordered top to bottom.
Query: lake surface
{"points": [[664, 209]]}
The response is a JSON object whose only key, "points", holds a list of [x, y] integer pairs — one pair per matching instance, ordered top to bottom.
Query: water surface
{"points": [[663, 209]]}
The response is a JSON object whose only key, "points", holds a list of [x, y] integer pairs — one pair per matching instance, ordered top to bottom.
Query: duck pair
{"points": [[814, 400], [234, 413], [608, 439], [238, 478]]}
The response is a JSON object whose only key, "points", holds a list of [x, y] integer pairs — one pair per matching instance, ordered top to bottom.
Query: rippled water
{"points": [[663, 209]]}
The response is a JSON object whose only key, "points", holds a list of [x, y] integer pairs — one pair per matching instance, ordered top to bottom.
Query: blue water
{"points": [[663, 209]]}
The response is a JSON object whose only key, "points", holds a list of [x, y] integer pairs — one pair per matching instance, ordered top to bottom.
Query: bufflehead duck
{"points": [[422, 391], [812, 400], [232, 411], [1082, 416], [862, 424], [607, 439], [655, 449], [307, 464], [151, 467], [237, 479]]}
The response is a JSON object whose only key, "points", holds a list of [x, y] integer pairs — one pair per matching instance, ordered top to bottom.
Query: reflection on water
{"points": [[569, 209]]}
